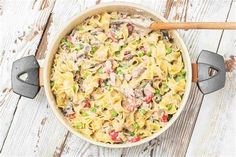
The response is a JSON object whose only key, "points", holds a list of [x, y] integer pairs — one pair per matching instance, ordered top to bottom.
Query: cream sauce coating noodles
{"points": [[115, 83]]}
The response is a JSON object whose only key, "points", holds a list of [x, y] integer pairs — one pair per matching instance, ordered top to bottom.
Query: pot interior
{"points": [[108, 7]]}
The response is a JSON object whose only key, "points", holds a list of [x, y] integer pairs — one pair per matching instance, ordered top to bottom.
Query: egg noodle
{"points": [[116, 83]]}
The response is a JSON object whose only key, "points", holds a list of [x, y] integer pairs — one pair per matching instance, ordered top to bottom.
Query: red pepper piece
{"points": [[148, 99], [164, 118], [114, 134], [135, 139]]}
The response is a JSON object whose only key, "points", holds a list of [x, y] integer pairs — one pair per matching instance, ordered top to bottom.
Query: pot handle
{"points": [[26, 77], [206, 81]]}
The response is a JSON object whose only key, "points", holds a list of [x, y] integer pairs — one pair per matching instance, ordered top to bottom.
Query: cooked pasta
{"points": [[116, 83]]}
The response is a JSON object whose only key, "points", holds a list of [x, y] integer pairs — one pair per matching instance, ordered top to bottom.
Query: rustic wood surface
{"points": [[29, 128]]}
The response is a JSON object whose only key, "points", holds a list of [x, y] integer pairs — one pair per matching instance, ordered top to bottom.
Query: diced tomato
{"points": [[148, 99], [87, 104], [164, 117], [114, 135], [135, 139]]}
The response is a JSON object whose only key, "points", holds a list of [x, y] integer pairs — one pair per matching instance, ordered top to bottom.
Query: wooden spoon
{"points": [[193, 25]]}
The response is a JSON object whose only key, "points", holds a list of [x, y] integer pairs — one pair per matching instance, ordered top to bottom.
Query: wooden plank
{"points": [[22, 25], [34, 130], [215, 131]]}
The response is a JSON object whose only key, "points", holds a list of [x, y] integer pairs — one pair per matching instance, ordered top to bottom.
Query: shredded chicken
{"points": [[138, 71], [113, 78], [148, 90], [138, 93]]}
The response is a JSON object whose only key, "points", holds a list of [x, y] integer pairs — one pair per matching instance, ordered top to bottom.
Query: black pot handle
{"points": [[28, 67], [209, 83]]}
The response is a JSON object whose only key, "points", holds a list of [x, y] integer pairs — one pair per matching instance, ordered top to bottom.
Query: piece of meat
{"points": [[128, 55], [108, 67], [138, 71], [113, 78], [148, 90], [129, 92], [138, 93], [139, 102], [130, 103]]}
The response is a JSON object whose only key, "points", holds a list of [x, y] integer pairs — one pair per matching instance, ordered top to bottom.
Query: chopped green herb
{"points": [[117, 36], [138, 40], [67, 43], [123, 46], [78, 47], [93, 50], [168, 50], [117, 52], [141, 53], [149, 53], [79, 67], [119, 70], [100, 71], [183, 72], [178, 78], [52, 83], [103, 84], [165, 86], [74, 88], [108, 88], [157, 91], [158, 99], [169, 107], [93, 109], [142, 111], [114, 113], [84, 114], [79, 125], [136, 126], [131, 133]]}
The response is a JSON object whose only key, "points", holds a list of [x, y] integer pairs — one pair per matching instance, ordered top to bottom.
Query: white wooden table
{"points": [[28, 127]]}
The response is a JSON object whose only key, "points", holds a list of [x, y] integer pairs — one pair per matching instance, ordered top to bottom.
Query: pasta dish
{"points": [[116, 83]]}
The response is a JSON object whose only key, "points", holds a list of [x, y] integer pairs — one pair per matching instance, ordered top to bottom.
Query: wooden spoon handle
{"points": [[193, 25]]}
